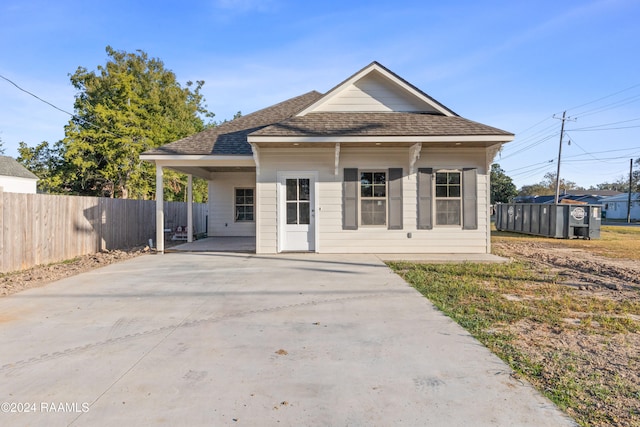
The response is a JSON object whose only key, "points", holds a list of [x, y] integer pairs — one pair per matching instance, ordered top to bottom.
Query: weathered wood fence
{"points": [[41, 229]]}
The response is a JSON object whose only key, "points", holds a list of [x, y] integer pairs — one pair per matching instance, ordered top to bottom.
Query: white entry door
{"points": [[297, 212]]}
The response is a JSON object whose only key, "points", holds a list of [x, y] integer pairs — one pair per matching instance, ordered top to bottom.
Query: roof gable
{"points": [[376, 89]]}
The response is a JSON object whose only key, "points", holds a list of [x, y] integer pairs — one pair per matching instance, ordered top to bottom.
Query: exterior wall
{"points": [[273, 161], [14, 184], [222, 204], [618, 209], [333, 239]]}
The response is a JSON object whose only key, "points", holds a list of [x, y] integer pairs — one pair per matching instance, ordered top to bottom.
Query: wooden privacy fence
{"points": [[41, 229]]}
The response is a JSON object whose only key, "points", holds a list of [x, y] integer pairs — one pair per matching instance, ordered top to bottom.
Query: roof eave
{"points": [[405, 138]]}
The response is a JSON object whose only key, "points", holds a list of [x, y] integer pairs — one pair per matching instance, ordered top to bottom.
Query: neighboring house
{"points": [[374, 165], [15, 178], [591, 197], [616, 207]]}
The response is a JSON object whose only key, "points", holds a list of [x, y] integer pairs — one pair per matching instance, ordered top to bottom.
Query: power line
{"points": [[36, 96], [604, 97], [73, 116]]}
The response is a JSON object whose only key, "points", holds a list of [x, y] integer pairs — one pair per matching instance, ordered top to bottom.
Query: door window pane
{"points": [[303, 186], [292, 189], [292, 212], [304, 213]]}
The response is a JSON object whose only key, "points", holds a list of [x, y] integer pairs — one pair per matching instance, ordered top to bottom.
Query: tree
{"points": [[127, 106], [1, 146], [47, 164], [622, 183], [547, 186], [502, 187]]}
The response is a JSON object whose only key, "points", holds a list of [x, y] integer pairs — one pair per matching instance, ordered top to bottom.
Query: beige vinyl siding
{"points": [[374, 93], [277, 160], [222, 204], [331, 236], [381, 240]]}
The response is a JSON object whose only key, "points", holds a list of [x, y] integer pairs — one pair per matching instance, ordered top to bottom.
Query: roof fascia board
{"points": [[389, 75], [346, 139], [198, 160]]}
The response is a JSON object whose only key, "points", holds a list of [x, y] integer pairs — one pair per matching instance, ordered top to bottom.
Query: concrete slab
{"points": [[218, 244], [239, 339]]}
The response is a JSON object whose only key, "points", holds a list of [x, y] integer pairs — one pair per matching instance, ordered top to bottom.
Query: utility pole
{"points": [[564, 118], [629, 199]]}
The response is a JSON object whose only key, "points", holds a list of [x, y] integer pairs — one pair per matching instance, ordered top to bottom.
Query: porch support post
{"points": [[336, 159], [189, 208], [159, 210]]}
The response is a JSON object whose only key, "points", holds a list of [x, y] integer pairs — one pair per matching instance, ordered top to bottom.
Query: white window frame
{"points": [[386, 197], [436, 198], [235, 205]]}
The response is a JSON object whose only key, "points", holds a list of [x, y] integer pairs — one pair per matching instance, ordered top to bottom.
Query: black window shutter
{"points": [[350, 199], [395, 199], [425, 199], [469, 199]]}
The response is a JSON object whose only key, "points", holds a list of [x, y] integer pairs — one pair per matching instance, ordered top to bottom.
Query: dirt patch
{"points": [[608, 277], [12, 283], [583, 353]]}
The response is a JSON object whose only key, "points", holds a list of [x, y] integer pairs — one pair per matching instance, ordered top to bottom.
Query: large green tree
{"points": [[129, 105], [502, 187]]}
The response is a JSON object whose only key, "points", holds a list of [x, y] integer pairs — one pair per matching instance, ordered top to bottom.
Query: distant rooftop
{"points": [[10, 167]]}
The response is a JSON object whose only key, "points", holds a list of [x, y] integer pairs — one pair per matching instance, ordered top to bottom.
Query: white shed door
{"points": [[297, 213]]}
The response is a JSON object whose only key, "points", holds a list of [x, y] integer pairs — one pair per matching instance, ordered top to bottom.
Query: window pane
{"points": [[454, 177], [366, 178], [379, 178], [441, 178], [292, 189], [366, 190], [379, 191], [441, 191], [454, 191], [303, 194], [239, 200], [248, 200], [367, 212], [373, 212], [380, 212], [448, 212], [292, 213], [304, 213]]}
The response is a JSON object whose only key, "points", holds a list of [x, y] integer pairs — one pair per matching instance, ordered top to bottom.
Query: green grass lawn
{"points": [[521, 314]]}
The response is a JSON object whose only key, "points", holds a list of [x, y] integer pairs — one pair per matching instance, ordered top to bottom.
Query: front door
{"points": [[297, 212]]}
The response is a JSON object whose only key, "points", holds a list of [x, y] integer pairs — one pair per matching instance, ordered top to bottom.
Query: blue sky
{"points": [[509, 64]]}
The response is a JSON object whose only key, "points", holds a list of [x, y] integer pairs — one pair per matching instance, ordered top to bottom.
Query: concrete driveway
{"points": [[200, 339]]}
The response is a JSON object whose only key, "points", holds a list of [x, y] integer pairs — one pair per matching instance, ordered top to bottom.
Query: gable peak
{"points": [[375, 88]]}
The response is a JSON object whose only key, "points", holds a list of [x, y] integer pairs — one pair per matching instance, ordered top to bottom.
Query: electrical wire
{"points": [[80, 119]]}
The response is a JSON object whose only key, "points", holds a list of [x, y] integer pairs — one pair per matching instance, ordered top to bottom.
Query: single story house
{"points": [[375, 165], [15, 178], [616, 207]]}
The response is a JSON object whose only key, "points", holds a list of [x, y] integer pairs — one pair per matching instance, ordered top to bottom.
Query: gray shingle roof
{"points": [[377, 124], [231, 137], [10, 167]]}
